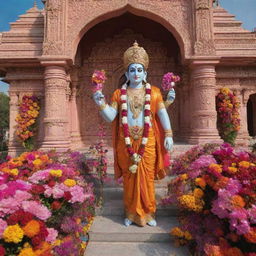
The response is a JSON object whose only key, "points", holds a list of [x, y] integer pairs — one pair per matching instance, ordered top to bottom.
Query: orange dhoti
{"points": [[139, 192]]}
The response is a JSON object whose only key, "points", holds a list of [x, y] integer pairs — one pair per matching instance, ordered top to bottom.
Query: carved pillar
{"points": [[203, 110], [56, 118], [243, 135], [14, 147]]}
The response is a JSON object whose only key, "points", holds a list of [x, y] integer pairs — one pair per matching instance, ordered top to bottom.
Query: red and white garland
{"points": [[136, 157]]}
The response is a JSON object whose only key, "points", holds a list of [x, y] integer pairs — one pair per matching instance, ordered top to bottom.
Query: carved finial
{"points": [[35, 4], [135, 44]]}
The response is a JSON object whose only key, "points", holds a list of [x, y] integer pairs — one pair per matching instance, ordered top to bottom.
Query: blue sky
{"points": [[10, 10]]}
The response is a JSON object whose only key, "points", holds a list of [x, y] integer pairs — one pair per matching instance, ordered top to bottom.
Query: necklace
{"points": [[136, 100], [136, 157]]}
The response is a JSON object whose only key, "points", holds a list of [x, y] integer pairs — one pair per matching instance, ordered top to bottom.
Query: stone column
{"points": [[203, 110], [56, 117], [243, 135], [14, 147]]}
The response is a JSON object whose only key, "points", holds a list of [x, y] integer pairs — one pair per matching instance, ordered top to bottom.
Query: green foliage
{"points": [[4, 119]]}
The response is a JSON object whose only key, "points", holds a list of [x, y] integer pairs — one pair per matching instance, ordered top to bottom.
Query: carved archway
{"points": [[107, 52]]}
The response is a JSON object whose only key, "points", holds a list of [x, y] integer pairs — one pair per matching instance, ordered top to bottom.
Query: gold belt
{"points": [[136, 132]]}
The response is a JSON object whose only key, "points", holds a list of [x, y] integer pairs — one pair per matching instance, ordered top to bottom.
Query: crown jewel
{"points": [[136, 54]]}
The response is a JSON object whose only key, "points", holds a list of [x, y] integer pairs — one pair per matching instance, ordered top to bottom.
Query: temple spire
{"points": [[35, 4]]}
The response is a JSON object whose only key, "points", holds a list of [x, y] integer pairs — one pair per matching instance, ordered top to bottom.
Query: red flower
{"points": [[148, 91], [123, 92], [147, 102], [124, 112], [147, 112], [130, 150], [141, 150], [51, 183], [37, 189], [67, 195], [56, 205], [20, 217], [2, 250]]}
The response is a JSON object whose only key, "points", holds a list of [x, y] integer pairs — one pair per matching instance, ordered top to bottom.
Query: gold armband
{"points": [[167, 103], [114, 105], [103, 106], [168, 133]]}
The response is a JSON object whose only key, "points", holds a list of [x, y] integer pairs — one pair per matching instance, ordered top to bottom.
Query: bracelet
{"points": [[167, 103], [103, 106], [168, 133]]}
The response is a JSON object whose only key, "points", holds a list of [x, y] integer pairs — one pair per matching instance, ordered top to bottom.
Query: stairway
{"points": [[109, 237]]}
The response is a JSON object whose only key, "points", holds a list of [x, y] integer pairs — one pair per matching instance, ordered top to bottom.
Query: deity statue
{"points": [[142, 135]]}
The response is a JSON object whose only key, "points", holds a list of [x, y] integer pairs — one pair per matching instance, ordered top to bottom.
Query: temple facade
{"points": [[53, 52]]}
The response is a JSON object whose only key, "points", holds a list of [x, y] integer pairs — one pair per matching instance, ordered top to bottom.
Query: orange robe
{"points": [[139, 191]]}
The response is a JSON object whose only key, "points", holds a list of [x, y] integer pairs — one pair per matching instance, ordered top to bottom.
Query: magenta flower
{"points": [[169, 80], [3, 226], [52, 235]]}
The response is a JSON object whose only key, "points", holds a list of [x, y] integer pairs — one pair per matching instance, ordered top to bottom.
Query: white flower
{"points": [[172, 84], [148, 86], [123, 97], [147, 97], [124, 106], [147, 106], [147, 119], [124, 120], [127, 141], [144, 141], [136, 158], [133, 168]]}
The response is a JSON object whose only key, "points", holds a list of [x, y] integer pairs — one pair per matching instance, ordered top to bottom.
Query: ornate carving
{"points": [[202, 4], [51, 47], [205, 47], [55, 83]]}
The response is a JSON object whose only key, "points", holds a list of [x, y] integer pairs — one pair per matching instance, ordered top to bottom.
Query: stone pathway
{"points": [[109, 237]]}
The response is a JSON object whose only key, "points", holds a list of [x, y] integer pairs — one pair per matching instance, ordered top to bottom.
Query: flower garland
{"points": [[228, 115], [26, 119], [136, 157]]}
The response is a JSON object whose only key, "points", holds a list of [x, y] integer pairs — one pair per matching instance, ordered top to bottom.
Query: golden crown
{"points": [[136, 54]]}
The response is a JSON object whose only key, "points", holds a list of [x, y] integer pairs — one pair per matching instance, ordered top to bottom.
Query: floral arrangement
{"points": [[98, 80], [169, 80], [228, 115], [26, 119], [136, 157], [214, 188], [46, 205]]}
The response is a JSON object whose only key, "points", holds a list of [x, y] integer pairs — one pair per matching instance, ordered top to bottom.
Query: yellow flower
{"points": [[225, 90], [37, 162], [244, 164], [215, 167], [232, 169], [14, 172], [56, 173], [184, 176], [69, 182], [200, 182], [198, 193], [191, 202], [32, 228], [177, 232], [13, 234], [187, 235], [57, 242], [27, 252]]}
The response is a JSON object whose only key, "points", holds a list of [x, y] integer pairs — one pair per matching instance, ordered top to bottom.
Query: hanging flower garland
{"points": [[228, 115], [26, 119], [136, 157]]}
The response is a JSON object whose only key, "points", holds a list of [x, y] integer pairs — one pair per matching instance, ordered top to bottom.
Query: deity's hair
{"points": [[135, 54]]}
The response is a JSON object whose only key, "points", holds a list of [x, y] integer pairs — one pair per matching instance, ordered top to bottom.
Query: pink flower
{"points": [[168, 79], [39, 176], [56, 191], [78, 194], [37, 209], [3, 226], [52, 235]]}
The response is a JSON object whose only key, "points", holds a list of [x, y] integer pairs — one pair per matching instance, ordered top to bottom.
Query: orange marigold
{"points": [[244, 164], [215, 167], [232, 169], [200, 182], [198, 193], [237, 201], [32, 228], [251, 235], [233, 251]]}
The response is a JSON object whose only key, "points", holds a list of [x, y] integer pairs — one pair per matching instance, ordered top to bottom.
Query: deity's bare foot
{"points": [[127, 222], [152, 223]]}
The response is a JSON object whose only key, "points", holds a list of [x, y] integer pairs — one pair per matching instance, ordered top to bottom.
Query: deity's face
{"points": [[136, 74]]}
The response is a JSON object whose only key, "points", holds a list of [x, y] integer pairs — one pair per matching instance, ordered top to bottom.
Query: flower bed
{"points": [[215, 190], [47, 204]]}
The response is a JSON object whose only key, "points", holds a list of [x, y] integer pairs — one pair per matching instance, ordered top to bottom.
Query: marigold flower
{"points": [[225, 91], [37, 162], [244, 164], [215, 167], [232, 169], [56, 173], [184, 176], [69, 182], [200, 182], [198, 192], [237, 201], [191, 203], [32, 228], [177, 232], [13, 234], [187, 235], [251, 235], [234, 251], [27, 252]]}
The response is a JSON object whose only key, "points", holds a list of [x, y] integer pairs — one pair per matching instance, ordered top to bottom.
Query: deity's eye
{"points": [[140, 69], [132, 70]]}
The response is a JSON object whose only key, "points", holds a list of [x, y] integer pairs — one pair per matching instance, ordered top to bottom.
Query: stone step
{"points": [[115, 208], [112, 229], [134, 249]]}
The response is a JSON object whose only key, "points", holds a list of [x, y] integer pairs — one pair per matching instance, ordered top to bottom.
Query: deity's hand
{"points": [[171, 95], [99, 98], [168, 143]]}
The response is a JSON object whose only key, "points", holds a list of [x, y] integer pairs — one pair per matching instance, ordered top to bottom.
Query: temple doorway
{"points": [[102, 47], [251, 115]]}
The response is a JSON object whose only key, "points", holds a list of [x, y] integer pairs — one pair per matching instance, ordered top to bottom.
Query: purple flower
{"points": [[233, 186], [239, 222]]}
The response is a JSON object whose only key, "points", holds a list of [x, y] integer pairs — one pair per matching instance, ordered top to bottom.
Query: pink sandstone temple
{"points": [[53, 52]]}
